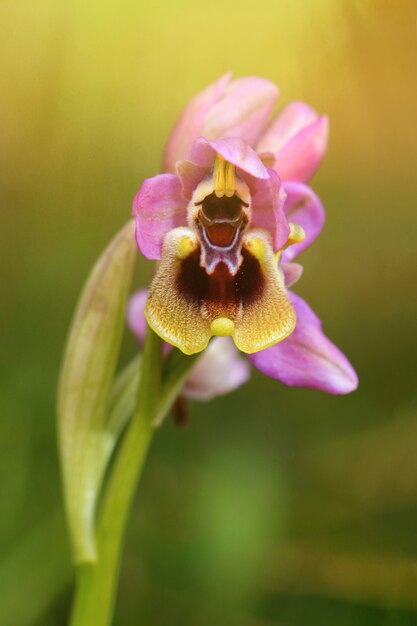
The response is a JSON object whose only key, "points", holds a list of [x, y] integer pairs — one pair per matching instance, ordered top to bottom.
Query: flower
{"points": [[226, 219], [218, 371]]}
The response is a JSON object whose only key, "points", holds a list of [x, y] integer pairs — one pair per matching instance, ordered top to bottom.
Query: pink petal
{"points": [[224, 109], [243, 111], [293, 118], [188, 126], [232, 149], [301, 156], [267, 158], [191, 176], [268, 201], [302, 206], [158, 207], [292, 273], [136, 320], [307, 358], [218, 371]]}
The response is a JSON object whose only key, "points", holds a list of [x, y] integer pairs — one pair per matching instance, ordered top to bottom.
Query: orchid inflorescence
{"points": [[226, 219]]}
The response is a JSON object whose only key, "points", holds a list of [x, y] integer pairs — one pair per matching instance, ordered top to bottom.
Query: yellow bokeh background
{"points": [[275, 506]]}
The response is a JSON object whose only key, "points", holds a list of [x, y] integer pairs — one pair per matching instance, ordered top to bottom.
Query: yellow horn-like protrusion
{"points": [[224, 178], [297, 234]]}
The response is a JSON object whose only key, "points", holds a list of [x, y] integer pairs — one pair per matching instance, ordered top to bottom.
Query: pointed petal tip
{"points": [[266, 90], [290, 120], [322, 134], [298, 137], [300, 157], [307, 358], [348, 384]]}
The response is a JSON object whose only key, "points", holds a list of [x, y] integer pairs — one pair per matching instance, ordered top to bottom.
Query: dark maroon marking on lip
{"points": [[223, 208], [221, 218], [221, 235], [196, 285]]}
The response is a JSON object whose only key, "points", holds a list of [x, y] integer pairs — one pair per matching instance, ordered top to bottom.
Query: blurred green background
{"points": [[275, 505]]}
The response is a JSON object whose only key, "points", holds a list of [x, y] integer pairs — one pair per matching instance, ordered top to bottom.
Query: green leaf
{"points": [[85, 385], [123, 400]]}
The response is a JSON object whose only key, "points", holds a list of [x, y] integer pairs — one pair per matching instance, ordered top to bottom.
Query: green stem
{"points": [[96, 582]]}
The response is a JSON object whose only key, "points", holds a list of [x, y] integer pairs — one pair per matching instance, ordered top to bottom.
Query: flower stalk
{"points": [[159, 385], [96, 582]]}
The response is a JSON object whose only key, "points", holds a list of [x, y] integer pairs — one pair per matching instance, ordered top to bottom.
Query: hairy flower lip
{"points": [[243, 286], [218, 371]]}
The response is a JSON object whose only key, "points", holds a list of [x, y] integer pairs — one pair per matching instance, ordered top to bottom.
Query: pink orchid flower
{"points": [[226, 220]]}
